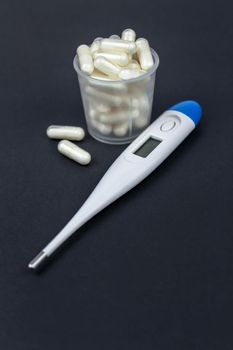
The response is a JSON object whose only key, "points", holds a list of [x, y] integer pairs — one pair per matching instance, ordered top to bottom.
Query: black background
{"points": [[154, 270]]}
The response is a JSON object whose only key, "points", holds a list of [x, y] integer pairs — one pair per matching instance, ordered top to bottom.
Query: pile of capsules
{"points": [[115, 102], [67, 148]]}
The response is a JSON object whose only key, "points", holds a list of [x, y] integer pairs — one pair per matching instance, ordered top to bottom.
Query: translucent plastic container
{"points": [[117, 111]]}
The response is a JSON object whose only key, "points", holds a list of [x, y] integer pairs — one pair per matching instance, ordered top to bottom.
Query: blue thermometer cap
{"points": [[190, 108]]}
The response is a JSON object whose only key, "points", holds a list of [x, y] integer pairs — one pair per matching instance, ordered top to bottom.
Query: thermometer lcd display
{"points": [[147, 147]]}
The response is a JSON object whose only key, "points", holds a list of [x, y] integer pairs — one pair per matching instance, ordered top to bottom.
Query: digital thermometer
{"points": [[139, 159]]}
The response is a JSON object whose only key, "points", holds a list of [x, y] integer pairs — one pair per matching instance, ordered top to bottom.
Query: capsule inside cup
{"points": [[128, 34], [118, 45], [120, 58], [85, 59]]}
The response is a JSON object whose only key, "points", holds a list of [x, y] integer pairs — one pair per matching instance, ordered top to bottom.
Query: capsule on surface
{"points": [[128, 34], [118, 45], [144, 54], [120, 58], [85, 59], [65, 132], [74, 152]]}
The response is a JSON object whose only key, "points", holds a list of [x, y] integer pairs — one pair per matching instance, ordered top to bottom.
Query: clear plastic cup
{"points": [[117, 111]]}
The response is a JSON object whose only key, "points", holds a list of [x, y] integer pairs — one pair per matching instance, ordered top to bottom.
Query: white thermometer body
{"points": [[138, 160]]}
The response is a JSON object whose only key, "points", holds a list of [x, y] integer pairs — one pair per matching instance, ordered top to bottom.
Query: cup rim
{"points": [[141, 77]]}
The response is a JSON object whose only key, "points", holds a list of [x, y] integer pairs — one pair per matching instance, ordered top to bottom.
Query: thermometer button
{"points": [[168, 125]]}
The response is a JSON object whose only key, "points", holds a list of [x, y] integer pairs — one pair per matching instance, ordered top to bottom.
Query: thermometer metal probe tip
{"points": [[38, 261]]}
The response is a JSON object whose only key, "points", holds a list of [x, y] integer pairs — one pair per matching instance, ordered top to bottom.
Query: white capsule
{"points": [[128, 34], [114, 36], [118, 45], [95, 46], [144, 54], [120, 58], [85, 59], [133, 64], [107, 67], [128, 73], [100, 76], [103, 82], [109, 86], [138, 87], [104, 97], [113, 100], [141, 101], [102, 108], [92, 113], [135, 113], [141, 115], [114, 117], [141, 122], [93, 123], [104, 129], [120, 130], [65, 132], [74, 152]]}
